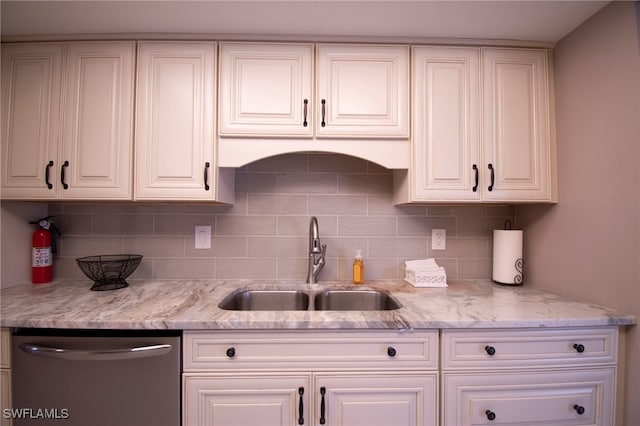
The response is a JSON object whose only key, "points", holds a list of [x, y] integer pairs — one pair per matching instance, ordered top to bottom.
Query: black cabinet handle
{"points": [[324, 103], [304, 112], [64, 166], [46, 174], [206, 175], [493, 177], [475, 187], [578, 347], [391, 351], [491, 351], [231, 352], [323, 390], [301, 407], [579, 409], [490, 415]]}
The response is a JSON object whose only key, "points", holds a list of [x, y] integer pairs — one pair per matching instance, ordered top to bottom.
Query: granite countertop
{"points": [[193, 304]]}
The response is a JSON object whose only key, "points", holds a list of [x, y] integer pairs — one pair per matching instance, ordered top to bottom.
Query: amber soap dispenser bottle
{"points": [[358, 268]]}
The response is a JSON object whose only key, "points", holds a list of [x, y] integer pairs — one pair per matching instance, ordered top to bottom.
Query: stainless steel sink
{"points": [[266, 300], [354, 300]]}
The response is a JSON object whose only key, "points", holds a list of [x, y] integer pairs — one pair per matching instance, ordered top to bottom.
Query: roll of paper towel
{"points": [[507, 256]]}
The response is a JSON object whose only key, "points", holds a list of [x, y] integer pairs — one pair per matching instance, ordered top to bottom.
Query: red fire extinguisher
{"points": [[42, 248]]}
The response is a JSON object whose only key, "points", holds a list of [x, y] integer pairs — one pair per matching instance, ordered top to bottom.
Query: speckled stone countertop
{"points": [[193, 304]]}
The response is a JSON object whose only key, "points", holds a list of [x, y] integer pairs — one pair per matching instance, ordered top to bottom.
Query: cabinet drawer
{"points": [[5, 348], [528, 348], [310, 349], [580, 397]]}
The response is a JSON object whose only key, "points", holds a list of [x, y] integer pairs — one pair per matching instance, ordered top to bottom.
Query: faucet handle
{"points": [[324, 249]]}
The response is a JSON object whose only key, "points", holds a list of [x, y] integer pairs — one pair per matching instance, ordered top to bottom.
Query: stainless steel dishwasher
{"points": [[96, 377]]}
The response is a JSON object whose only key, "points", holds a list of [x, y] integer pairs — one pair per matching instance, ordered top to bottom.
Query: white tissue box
{"points": [[426, 277]]}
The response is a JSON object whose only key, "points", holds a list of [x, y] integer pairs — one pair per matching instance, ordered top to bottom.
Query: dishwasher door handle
{"points": [[96, 354]]}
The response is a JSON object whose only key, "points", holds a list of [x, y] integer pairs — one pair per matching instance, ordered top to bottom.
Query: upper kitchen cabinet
{"points": [[266, 89], [363, 91], [31, 94], [280, 97], [67, 120], [175, 123], [446, 124], [97, 136], [518, 144], [452, 160]]}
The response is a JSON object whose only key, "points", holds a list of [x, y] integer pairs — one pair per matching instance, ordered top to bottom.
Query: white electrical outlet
{"points": [[203, 237], [438, 239]]}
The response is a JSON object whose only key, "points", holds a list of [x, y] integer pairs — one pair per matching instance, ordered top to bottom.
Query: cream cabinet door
{"points": [[266, 89], [362, 91], [31, 95], [175, 109], [446, 120], [517, 129], [97, 142], [578, 397], [246, 399], [376, 399]]}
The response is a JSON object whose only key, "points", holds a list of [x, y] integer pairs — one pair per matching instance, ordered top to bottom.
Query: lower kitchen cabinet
{"points": [[525, 376], [563, 376], [345, 378], [330, 398]]}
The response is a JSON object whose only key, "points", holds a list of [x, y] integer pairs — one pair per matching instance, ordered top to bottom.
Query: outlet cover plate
{"points": [[203, 237], [438, 239]]}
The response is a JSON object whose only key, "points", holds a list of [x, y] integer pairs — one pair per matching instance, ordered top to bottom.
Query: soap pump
{"points": [[358, 268]]}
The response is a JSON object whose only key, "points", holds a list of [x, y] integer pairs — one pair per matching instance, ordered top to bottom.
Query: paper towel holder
{"points": [[508, 263]]}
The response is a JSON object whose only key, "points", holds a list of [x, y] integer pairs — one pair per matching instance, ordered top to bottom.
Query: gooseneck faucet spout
{"points": [[316, 252]]}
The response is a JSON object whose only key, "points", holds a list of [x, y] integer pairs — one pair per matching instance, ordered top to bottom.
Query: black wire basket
{"points": [[109, 271]]}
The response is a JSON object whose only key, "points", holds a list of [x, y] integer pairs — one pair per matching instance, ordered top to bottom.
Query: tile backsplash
{"points": [[265, 233]]}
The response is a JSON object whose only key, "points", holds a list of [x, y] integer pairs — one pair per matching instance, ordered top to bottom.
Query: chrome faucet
{"points": [[316, 252]]}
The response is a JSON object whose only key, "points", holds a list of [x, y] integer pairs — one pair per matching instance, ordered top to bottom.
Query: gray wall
{"points": [[588, 246]]}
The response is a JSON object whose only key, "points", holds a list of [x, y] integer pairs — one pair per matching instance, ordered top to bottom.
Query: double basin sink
{"points": [[301, 300]]}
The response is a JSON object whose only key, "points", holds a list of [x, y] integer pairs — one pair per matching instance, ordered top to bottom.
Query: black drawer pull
{"points": [[324, 103], [304, 112], [62, 169], [46, 174], [206, 175], [493, 177], [475, 187], [578, 347], [391, 351], [491, 351], [231, 352], [323, 390], [301, 407], [579, 409], [490, 415]]}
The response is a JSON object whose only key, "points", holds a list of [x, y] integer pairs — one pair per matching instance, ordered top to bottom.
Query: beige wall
{"points": [[265, 233], [588, 246]]}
